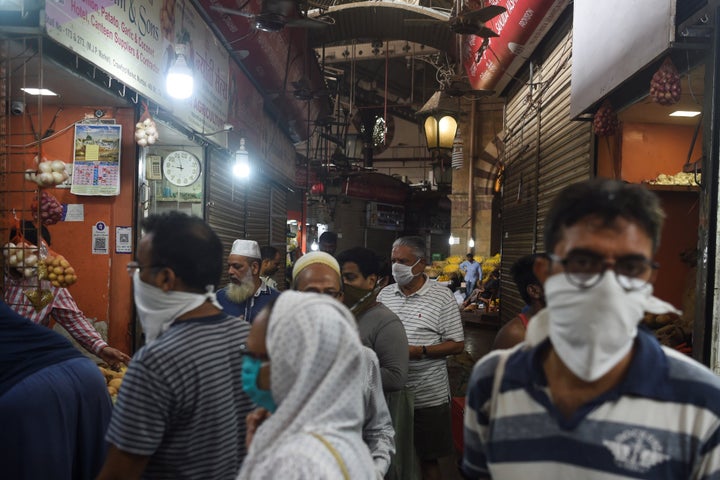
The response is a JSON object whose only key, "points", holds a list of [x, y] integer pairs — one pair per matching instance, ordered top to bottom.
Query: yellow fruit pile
{"points": [[454, 259], [490, 264], [59, 271], [113, 378]]}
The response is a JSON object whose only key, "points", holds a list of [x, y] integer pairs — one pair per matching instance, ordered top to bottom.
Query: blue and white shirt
{"points": [[250, 307], [661, 422]]}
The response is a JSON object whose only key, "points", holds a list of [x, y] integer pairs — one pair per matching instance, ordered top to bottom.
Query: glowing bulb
{"points": [[179, 82], [314, 247]]}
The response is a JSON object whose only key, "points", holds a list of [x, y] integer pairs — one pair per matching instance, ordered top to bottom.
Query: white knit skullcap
{"points": [[246, 248]]}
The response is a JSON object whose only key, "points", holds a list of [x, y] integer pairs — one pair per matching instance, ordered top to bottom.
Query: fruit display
{"points": [[665, 84], [605, 121], [48, 173], [680, 178], [51, 212], [22, 257], [490, 264], [59, 271], [113, 378]]}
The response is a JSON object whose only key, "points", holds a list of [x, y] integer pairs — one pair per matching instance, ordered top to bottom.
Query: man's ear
{"points": [[255, 268], [541, 268], [166, 279]]}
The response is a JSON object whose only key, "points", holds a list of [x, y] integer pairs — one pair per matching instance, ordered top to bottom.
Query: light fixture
{"points": [[179, 82], [39, 91], [685, 113], [439, 123], [241, 169], [453, 240], [471, 243], [314, 247]]}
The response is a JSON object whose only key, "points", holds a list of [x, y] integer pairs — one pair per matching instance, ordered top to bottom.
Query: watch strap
{"points": [[424, 351]]}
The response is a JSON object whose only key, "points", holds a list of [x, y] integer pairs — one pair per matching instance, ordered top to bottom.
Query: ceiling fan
{"points": [[277, 14], [466, 23]]}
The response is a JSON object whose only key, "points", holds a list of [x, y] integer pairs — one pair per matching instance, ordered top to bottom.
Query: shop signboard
{"points": [[520, 29], [133, 41], [612, 44]]}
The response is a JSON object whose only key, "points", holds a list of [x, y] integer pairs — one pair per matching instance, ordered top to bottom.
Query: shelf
{"points": [[672, 188]]}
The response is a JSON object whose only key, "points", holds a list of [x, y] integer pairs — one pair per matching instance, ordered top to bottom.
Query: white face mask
{"points": [[403, 273], [157, 310], [593, 329]]}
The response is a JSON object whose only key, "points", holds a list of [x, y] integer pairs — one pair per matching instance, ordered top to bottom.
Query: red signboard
{"points": [[520, 28]]}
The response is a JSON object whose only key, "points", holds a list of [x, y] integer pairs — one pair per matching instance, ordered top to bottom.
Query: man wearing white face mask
{"points": [[431, 318], [588, 395], [181, 410]]}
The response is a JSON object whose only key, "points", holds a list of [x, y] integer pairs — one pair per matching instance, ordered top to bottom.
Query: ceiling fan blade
{"points": [[231, 11], [484, 14], [306, 23], [485, 32]]}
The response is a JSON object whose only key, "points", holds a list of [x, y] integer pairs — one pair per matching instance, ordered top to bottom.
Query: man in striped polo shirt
{"points": [[431, 317], [588, 395], [181, 409]]}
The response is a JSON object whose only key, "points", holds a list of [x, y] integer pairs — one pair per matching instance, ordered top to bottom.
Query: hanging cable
{"points": [[385, 107]]}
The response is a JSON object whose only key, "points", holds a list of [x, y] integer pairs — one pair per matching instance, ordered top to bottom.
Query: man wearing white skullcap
{"points": [[247, 293]]}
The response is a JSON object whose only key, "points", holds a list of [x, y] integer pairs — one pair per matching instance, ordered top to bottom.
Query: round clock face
{"points": [[181, 168]]}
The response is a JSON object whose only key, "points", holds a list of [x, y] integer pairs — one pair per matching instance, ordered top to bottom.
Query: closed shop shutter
{"points": [[544, 151], [256, 209]]}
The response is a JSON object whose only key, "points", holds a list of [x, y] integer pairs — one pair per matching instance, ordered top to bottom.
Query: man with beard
{"points": [[270, 264], [247, 293], [589, 394], [181, 408]]}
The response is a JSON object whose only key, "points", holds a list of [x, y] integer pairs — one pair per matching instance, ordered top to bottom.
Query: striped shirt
{"points": [[62, 308], [430, 316], [182, 404], [661, 422]]}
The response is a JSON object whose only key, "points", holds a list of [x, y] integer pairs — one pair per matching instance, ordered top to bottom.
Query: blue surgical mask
{"points": [[250, 371]]}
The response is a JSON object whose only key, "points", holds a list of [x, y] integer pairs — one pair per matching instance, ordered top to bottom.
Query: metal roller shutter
{"points": [[544, 151]]}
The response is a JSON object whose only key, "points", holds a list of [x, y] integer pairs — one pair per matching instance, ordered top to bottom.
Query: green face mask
{"points": [[357, 299]]}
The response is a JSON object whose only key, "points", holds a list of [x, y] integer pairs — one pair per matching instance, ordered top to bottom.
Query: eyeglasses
{"points": [[133, 266], [586, 269], [244, 351]]}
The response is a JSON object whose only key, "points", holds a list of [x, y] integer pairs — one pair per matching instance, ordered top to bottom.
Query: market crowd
{"points": [[344, 375]]}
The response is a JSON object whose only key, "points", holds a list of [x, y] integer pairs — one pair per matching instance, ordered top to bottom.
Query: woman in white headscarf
{"points": [[305, 364]]}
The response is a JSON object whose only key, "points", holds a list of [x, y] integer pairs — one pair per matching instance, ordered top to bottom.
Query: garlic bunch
{"points": [[146, 132], [49, 173], [22, 257]]}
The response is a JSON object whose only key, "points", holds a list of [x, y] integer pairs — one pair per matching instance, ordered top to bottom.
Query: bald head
{"points": [[319, 278]]}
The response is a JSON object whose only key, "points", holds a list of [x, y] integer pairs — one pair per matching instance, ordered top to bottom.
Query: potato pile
{"points": [[665, 84], [605, 121], [59, 271], [113, 378]]}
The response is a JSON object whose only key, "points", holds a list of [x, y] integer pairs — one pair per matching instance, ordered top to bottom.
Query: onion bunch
{"points": [[665, 84], [605, 121], [146, 132], [48, 173], [51, 211], [22, 257]]}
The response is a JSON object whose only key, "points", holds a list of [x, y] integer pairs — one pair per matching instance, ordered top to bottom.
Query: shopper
{"points": [[328, 242], [270, 262], [472, 272]]}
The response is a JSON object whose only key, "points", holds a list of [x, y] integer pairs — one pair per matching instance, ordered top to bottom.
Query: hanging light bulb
{"points": [[179, 82], [457, 152], [241, 169], [471, 243], [314, 247]]}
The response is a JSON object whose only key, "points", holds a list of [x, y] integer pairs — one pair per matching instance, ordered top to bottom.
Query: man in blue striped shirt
{"points": [[588, 395]]}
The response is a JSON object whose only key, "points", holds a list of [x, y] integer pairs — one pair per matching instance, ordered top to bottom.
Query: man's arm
{"points": [[66, 312], [510, 334], [390, 350], [440, 350], [377, 433], [121, 465]]}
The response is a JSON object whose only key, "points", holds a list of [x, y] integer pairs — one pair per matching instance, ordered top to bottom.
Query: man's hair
{"points": [[608, 200], [29, 232], [328, 237], [416, 245], [188, 246], [268, 252], [469, 256], [367, 261], [523, 276]]}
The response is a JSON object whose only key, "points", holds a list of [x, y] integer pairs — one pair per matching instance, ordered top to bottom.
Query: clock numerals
{"points": [[181, 168]]}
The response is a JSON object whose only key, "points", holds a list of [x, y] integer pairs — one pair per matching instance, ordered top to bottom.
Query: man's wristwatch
{"points": [[424, 351]]}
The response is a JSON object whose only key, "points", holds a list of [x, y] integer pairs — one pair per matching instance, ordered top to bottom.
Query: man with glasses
{"points": [[431, 317], [588, 395], [181, 409]]}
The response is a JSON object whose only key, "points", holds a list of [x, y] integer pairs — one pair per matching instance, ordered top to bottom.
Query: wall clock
{"points": [[181, 168]]}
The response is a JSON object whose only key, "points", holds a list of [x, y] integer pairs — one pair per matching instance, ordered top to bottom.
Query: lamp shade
{"points": [[440, 124]]}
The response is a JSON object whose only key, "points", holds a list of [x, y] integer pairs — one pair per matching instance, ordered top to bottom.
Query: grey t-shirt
{"points": [[382, 331], [182, 404]]}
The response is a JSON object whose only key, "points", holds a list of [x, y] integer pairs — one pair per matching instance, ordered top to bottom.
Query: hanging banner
{"points": [[520, 29], [134, 42], [96, 161]]}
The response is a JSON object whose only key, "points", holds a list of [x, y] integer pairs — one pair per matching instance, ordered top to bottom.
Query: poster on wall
{"points": [[96, 160]]}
